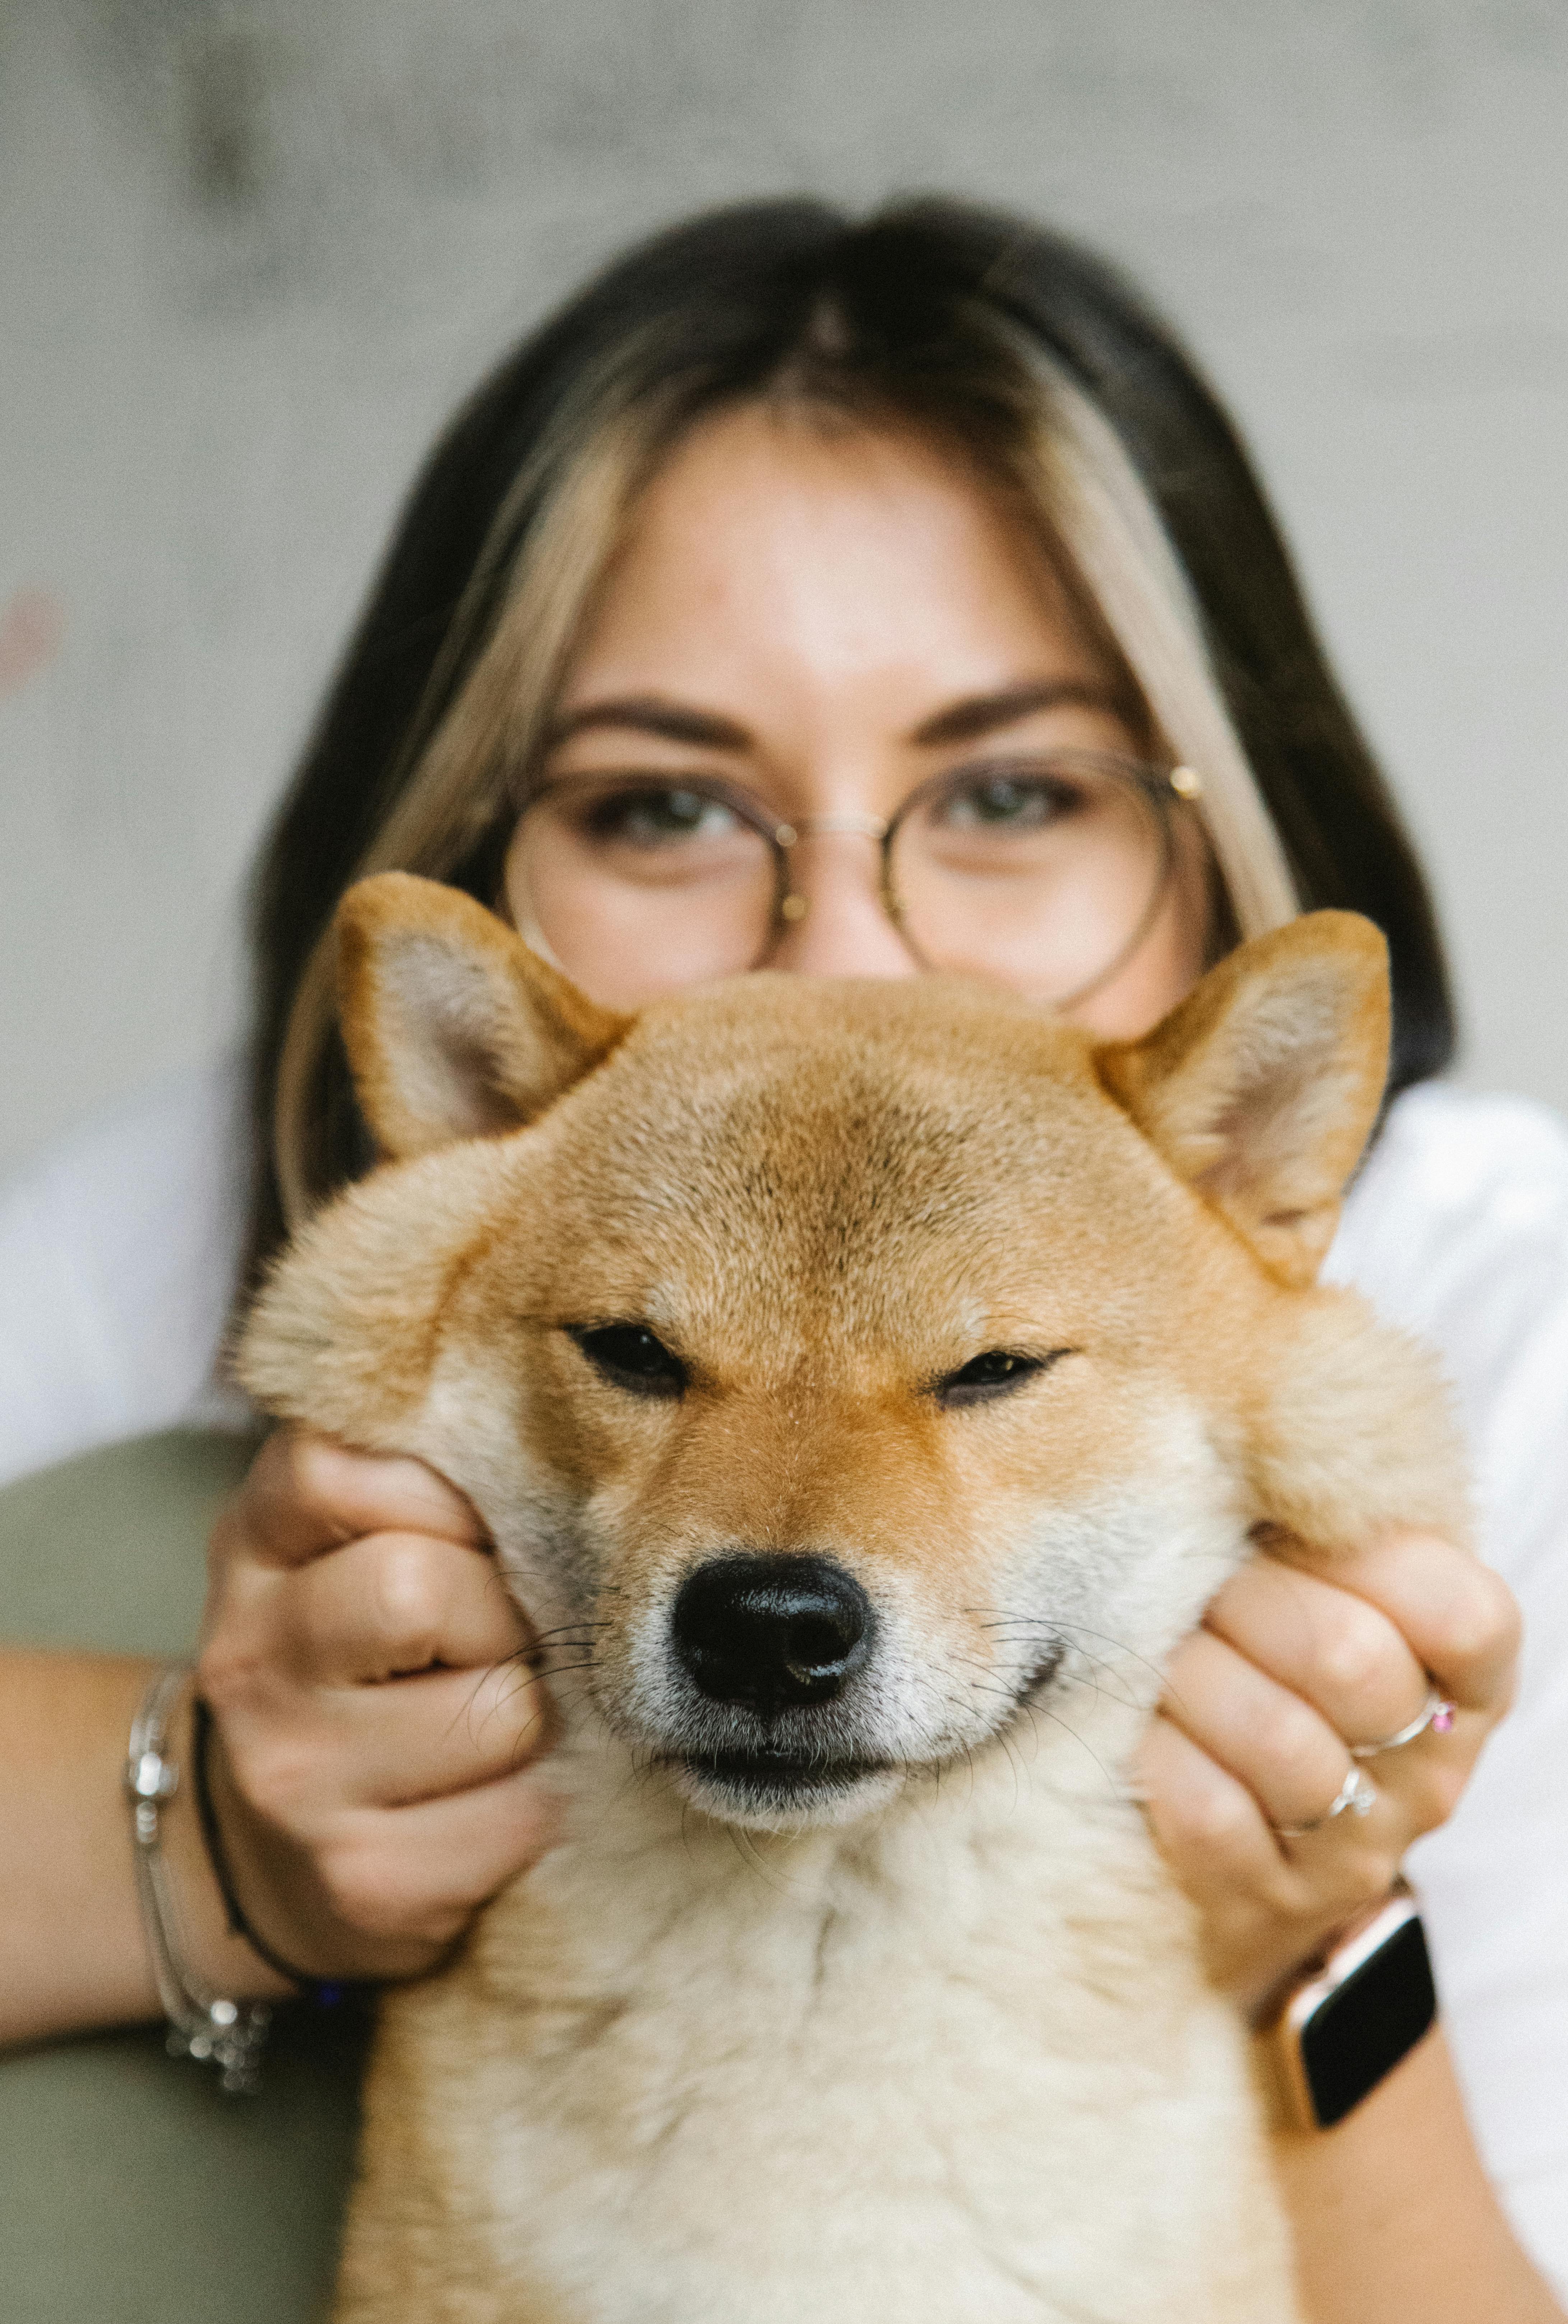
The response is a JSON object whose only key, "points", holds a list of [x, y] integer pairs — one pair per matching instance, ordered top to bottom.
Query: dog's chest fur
{"points": [[682, 2074]]}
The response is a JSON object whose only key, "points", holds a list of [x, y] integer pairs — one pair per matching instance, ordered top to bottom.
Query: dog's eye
{"points": [[632, 1358], [995, 1373]]}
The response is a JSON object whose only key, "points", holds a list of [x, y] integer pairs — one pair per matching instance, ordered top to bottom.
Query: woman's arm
{"points": [[370, 1768], [72, 1955], [1394, 2217], [1395, 2220]]}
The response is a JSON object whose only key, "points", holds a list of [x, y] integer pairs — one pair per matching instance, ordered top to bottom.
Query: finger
{"points": [[307, 1494], [393, 1604], [1458, 1617], [1327, 1645], [1265, 1736], [1276, 1743], [363, 1746], [1207, 1824], [422, 1871], [1262, 1909]]}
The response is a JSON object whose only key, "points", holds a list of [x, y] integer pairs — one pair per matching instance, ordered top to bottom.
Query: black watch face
{"points": [[1368, 2023]]}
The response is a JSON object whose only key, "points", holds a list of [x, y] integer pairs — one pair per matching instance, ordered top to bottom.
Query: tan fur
{"points": [[940, 2049]]}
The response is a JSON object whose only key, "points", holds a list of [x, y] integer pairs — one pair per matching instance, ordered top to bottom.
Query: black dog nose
{"points": [[771, 1632]]}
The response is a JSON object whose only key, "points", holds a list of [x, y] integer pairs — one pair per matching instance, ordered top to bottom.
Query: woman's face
{"points": [[831, 618]]}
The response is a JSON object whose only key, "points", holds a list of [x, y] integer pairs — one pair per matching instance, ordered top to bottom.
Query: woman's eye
{"points": [[1004, 802], [646, 818], [632, 1356], [995, 1373]]}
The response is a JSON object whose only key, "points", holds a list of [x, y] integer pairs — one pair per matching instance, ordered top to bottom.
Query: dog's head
{"points": [[838, 1366]]}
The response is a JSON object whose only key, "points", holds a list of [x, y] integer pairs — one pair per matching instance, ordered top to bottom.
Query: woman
{"points": [[782, 525]]}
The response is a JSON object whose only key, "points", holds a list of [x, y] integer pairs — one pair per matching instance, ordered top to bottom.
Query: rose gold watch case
{"points": [[1284, 2039]]}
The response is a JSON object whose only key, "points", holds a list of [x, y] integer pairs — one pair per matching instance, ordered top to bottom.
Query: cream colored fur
{"points": [[937, 2047]]}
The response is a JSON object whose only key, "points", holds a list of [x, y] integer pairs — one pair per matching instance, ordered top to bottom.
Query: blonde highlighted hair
{"points": [[1025, 355]]}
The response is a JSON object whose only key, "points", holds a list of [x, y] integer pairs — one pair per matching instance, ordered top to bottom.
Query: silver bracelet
{"points": [[203, 2024]]}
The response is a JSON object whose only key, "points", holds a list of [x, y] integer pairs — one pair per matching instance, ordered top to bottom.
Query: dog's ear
{"points": [[454, 1028], [1261, 1089]]}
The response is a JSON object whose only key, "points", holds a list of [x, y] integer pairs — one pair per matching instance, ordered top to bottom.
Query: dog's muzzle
{"points": [[769, 1644]]}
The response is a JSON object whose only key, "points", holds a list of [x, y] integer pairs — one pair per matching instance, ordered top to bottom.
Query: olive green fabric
{"points": [[110, 1550], [132, 2191]]}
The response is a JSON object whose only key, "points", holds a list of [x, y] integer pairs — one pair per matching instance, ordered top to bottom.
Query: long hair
{"points": [[1028, 355]]}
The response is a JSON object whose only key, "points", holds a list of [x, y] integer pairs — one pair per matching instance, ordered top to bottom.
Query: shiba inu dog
{"points": [[864, 1385]]}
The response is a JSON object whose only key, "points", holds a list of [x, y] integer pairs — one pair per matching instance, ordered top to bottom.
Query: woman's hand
{"points": [[1297, 1658], [375, 1718]]}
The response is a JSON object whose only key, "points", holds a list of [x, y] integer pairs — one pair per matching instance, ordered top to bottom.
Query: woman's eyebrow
{"points": [[646, 714], [982, 714], [960, 722]]}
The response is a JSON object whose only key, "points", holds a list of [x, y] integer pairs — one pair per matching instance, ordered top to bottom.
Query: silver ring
{"points": [[1436, 1712], [1356, 1793]]}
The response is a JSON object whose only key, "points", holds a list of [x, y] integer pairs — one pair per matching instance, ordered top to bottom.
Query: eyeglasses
{"points": [[1043, 874]]}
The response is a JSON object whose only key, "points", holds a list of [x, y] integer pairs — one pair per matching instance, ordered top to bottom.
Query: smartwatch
{"points": [[1352, 2015]]}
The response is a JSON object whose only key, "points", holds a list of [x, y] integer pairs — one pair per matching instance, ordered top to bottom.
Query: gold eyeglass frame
{"points": [[1162, 787]]}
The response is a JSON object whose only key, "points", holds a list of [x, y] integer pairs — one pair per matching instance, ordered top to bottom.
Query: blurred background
{"points": [[251, 251]]}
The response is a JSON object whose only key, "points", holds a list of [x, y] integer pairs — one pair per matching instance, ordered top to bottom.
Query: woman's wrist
{"points": [[73, 1945], [219, 1956], [1348, 2018], [211, 2026], [1393, 2217]]}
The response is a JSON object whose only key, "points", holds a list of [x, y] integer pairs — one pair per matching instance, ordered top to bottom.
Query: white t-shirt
{"points": [[117, 1256]]}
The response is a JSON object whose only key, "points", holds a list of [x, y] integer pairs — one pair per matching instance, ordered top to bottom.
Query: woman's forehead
{"points": [[769, 559]]}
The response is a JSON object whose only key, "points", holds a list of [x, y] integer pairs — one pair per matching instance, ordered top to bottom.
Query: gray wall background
{"points": [[252, 250]]}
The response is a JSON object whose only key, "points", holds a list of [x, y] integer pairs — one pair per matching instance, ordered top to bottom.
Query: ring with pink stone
{"points": [[1436, 1713]]}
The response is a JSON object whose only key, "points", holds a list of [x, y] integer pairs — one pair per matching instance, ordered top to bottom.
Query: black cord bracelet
{"points": [[325, 1992]]}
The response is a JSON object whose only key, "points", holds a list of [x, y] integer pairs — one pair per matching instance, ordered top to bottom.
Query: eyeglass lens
{"points": [[1038, 877]]}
